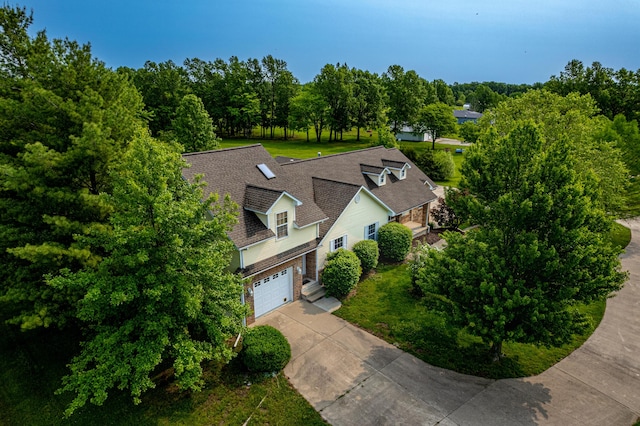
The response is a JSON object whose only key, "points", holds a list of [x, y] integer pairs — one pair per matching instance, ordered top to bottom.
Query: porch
{"points": [[417, 228]]}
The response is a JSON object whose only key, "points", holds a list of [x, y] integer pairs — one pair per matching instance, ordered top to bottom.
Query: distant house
{"points": [[463, 115], [406, 133], [292, 212]]}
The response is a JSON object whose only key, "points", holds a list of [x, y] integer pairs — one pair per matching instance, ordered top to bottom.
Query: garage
{"points": [[272, 291]]}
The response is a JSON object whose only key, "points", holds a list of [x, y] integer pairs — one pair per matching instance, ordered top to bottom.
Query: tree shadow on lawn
{"points": [[440, 345]]}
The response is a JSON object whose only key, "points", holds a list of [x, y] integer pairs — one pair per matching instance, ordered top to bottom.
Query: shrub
{"points": [[410, 152], [438, 165], [394, 241], [367, 252], [417, 262], [341, 272], [265, 349]]}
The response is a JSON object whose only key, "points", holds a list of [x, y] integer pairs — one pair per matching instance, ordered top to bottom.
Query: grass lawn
{"points": [[632, 208], [385, 307], [32, 363]]}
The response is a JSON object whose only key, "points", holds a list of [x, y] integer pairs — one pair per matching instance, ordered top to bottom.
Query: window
{"points": [[403, 173], [382, 179], [282, 225], [371, 231], [338, 243]]}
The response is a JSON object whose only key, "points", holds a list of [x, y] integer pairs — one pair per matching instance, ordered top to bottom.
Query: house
{"points": [[463, 115], [406, 133], [292, 213]]}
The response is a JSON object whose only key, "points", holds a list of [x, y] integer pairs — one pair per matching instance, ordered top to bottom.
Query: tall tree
{"points": [[162, 85], [335, 85], [406, 92], [443, 92], [367, 106], [309, 109], [67, 118], [573, 118], [436, 119], [193, 127], [538, 252], [162, 292]]}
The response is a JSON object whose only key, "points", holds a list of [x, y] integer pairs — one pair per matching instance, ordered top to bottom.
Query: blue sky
{"points": [[458, 41]]}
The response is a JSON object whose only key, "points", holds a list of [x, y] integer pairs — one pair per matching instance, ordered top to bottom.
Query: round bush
{"points": [[438, 165], [394, 241], [367, 252], [341, 272], [265, 349]]}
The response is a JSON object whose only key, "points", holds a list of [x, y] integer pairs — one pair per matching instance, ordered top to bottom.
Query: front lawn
{"points": [[384, 306], [32, 364]]}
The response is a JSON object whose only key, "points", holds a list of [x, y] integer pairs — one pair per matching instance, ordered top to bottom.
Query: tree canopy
{"points": [[435, 119], [573, 119], [66, 120], [192, 126], [539, 249], [161, 293]]}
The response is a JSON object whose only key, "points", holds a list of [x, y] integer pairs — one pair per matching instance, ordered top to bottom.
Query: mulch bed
{"points": [[429, 238]]}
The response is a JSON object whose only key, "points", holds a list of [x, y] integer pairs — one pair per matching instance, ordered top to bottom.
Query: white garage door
{"points": [[272, 291]]}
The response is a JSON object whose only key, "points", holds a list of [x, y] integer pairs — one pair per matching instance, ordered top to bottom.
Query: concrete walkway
{"points": [[354, 378]]}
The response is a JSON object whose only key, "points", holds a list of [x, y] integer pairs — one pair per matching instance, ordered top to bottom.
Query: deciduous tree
{"points": [[436, 119], [573, 119], [193, 127], [161, 294]]}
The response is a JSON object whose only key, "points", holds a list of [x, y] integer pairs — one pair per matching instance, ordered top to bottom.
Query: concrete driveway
{"points": [[354, 378]]}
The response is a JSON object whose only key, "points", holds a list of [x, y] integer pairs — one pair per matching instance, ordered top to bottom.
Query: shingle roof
{"points": [[465, 113], [394, 164], [366, 168], [233, 170], [323, 185], [399, 195], [332, 197], [260, 199]]}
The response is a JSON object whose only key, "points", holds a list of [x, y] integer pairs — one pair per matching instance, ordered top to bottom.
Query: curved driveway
{"points": [[354, 378]]}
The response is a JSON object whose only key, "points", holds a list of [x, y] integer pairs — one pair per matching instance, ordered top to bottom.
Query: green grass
{"points": [[632, 205], [620, 235], [385, 306], [32, 364]]}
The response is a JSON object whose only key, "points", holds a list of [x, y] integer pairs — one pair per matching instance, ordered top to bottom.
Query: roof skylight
{"points": [[266, 171]]}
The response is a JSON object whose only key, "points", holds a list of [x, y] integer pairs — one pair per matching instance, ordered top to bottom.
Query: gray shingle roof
{"points": [[465, 113], [233, 170], [323, 185], [399, 195], [332, 197], [260, 199]]}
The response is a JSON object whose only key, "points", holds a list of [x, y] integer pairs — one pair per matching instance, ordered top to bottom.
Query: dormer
{"points": [[398, 168], [376, 173], [262, 201]]}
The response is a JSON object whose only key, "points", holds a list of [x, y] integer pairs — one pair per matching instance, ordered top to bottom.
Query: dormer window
{"points": [[403, 173], [382, 179], [282, 225]]}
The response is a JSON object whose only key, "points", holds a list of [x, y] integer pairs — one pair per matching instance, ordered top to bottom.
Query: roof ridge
{"points": [[223, 149], [335, 155], [335, 181]]}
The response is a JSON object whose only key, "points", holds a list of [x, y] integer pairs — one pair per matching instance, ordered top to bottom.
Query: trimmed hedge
{"points": [[394, 241], [367, 252], [341, 272], [265, 349]]}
